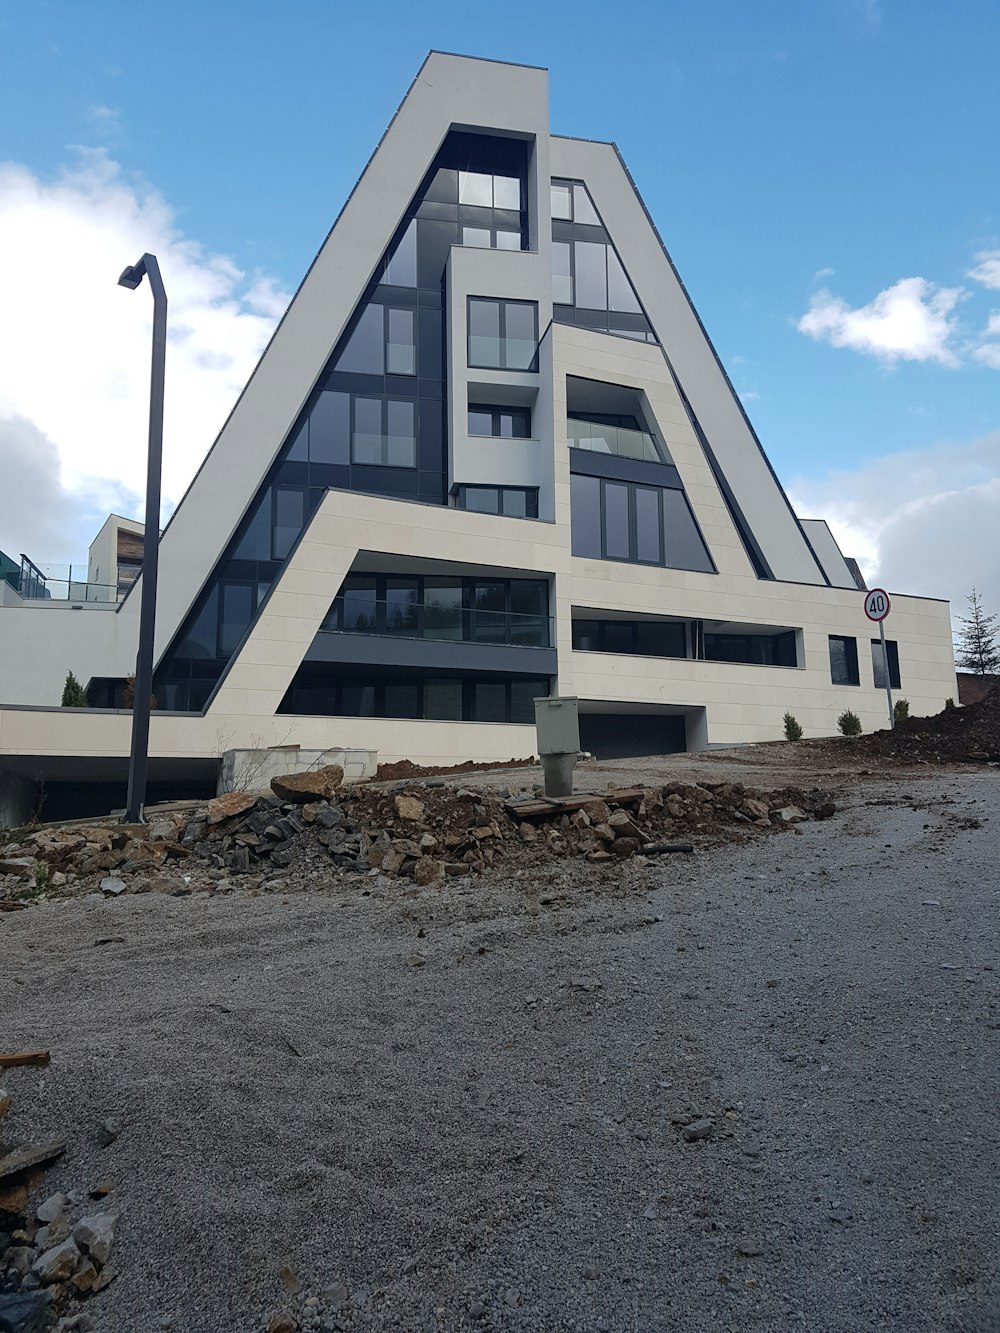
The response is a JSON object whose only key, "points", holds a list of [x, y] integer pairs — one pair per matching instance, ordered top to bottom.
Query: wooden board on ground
{"points": [[565, 805], [13, 1058]]}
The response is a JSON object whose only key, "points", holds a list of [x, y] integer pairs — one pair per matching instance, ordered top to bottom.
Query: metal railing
{"points": [[617, 440], [56, 583], [358, 613]]}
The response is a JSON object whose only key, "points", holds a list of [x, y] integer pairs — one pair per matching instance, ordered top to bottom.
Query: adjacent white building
{"points": [[490, 453]]}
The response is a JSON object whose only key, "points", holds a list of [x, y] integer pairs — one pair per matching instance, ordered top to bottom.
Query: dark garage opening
{"points": [[628, 735]]}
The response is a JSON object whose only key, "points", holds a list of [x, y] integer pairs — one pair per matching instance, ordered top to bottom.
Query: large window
{"points": [[589, 284], [503, 335], [384, 341], [511, 423], [384, 432], [511, 501], [619, 520], [426, 606], [646, 638], [755, 649], [844, 660], [878, 664], [329, 691]]}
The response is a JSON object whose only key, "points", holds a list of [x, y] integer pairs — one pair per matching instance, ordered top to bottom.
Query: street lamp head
{"points": [[132, 276]]}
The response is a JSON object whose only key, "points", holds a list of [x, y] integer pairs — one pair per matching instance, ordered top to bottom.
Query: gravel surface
{"points": [[482, 1108]]}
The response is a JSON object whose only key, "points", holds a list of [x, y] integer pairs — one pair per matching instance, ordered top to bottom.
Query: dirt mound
{"points": [[956, 735], [422, 831]]}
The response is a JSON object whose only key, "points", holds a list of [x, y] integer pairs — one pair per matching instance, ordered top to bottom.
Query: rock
{"points": [[304, 788], [227, 805], [408, 807], [754, 809], [598, 812], [790, 814], [329, 816], [580, 819], [162, 830], [527, 832], [605, 832], [427, 842], [623, 847], [17, 865], [428, 871], [113, 885], [585, 983], [4, 1103], [698, 1129], [107, 1132], [34, 1154], [102, 1190], [13, 1199], [52, 1209], [96, 1235], [19, 1259], [59, 1263], [592, 1271], [85, 1277], [289, 1281], [335, 1295], [512, 1297], [477, 1309], [24, 1311], [283, 1323]]}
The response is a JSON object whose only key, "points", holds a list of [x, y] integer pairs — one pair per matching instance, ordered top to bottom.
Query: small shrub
{"points": [[73, 695], [128, 700], [949, 703], [901, 710], [849, 723], [793, 731]]}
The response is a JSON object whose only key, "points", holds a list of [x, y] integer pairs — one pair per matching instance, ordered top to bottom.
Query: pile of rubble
{"points": [[957, 735], [309, 824], [55, 1254]]}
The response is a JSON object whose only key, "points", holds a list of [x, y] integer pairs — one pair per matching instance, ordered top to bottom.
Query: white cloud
{"points": [[987, 270], [822, 273], [909, 321], [75, 347], [987, 352], [749, 396], [919, 521]]}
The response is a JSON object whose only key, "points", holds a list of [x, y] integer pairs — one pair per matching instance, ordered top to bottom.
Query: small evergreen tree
{"points": [[978, 649], [73, 695], [949, 703], [901, 710], [849, 723], [793, 731]]}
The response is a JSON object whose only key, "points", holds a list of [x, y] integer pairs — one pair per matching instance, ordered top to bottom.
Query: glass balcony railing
{"points": [[612, 440], [57, 583], [357, 613]]}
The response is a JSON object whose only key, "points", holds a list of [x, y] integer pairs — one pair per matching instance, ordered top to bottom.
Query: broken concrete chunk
{"points": [[317, 784], [229, 804], [408, 807], [790, 814], [427, 871], [33, 1155], [96, 1234], [57, 1264]]}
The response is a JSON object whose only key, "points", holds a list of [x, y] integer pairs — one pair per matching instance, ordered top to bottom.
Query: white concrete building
{"points": [[489, 453]]}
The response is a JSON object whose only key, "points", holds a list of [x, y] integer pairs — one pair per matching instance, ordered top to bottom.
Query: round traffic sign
{"points": [[877, 604]]}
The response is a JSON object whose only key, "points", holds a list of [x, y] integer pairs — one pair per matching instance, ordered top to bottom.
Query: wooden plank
{"points": [[564, 805], [11, 905], [23, 1058], [35, 1154]]}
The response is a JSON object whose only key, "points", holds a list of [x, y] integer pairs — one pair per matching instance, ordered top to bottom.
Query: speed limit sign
{"points": [[877, 604]]}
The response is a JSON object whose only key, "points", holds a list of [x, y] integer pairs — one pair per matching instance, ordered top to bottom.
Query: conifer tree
{"points": [[978, 649], [73, 695]]}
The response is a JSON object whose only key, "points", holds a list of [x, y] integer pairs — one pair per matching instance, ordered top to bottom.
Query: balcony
{"points": [[616, 440], [57, 583], [359, 613]]}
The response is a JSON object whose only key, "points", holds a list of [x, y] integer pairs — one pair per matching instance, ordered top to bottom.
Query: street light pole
{"points": [[139, 755]]}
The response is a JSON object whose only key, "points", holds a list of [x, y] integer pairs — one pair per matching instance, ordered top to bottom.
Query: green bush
{"points": [[73, 695], [949, 703], [901, 710], [849, 723], [793, 731]]}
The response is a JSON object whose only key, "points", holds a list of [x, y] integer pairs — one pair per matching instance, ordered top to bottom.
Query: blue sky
{"points": [[773, 142]]}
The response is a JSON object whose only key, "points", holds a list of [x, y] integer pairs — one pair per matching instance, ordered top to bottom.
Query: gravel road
{"points": [[468, 1111]]}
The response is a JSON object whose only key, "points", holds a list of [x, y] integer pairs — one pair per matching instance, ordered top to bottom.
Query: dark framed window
{"points": [[590, 287], [503, 335], [384, 341], [508, 423], [384, 432], [510, 501], [619, 520], [432, 606], [646, 638], [754, 649], [844, 660], [878, 664], [461, 697]]}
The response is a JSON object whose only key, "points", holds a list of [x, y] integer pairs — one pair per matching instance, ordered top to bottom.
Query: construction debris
{"points": [[970, 734], [423, 831], [16, 1058]]}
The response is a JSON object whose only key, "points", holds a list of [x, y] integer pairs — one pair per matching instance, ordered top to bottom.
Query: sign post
{"points": [[877, 607]]}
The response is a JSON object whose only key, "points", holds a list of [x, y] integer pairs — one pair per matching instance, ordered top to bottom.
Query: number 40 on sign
{"points": [[877, 607]]}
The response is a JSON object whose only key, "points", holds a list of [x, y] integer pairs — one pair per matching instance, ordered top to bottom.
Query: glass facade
{"points": [[590, 287], [503, 335], [375, 421], [509, 423], [624, 520], [434, 606], [322, 690]]}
